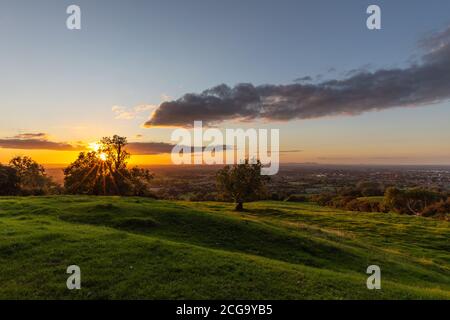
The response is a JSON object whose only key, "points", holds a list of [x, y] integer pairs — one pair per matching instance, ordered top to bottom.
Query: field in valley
{"points": [[137, 248]]}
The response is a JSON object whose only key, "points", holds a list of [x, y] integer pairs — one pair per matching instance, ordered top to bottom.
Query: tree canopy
{"points": [[104, 171], [32, 179], [9, 181], [241, 183]]}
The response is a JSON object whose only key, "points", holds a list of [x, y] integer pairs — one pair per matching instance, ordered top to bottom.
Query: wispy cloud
{"points": [[423, 83], [131, 113], [39, 135], [38, 141], [36, 144]]}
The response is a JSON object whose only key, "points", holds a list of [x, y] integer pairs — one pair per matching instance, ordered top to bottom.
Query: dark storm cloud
{"points": [[423, 83], [37, 144]]}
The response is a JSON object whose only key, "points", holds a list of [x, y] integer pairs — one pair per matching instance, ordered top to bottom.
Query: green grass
{"points": [[373, 199], [130, 248]]}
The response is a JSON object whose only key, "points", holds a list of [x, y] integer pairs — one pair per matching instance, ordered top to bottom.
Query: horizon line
{"points": [[281, 164]]}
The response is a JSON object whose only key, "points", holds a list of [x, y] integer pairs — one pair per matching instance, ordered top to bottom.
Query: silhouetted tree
{"points": [[114, 148], [104, 171], [86, 175], [32, 177], [9, 181], [140, 181], [241, 183]]}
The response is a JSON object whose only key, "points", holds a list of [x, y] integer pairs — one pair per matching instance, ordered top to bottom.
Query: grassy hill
{"points": [[141, 248]]}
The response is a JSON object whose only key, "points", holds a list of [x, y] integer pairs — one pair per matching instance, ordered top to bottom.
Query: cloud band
{"points": [[423, 83]]}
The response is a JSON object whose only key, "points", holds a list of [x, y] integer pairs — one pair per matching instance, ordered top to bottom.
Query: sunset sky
{"points": [[338, 92]]}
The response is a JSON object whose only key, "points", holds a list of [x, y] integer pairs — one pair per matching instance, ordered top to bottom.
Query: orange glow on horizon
{"points": [[329, 156], [50, 157]]}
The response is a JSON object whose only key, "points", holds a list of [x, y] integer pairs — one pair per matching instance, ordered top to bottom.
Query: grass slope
{"points": [[131, 248]]}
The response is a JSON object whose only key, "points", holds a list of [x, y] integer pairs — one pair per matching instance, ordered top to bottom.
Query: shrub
{"points": [[323, 199], [410, 201], [440, 210]]}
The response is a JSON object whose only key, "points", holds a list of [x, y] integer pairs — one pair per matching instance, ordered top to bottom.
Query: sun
{"points": [[95, 146], [103, 156]]}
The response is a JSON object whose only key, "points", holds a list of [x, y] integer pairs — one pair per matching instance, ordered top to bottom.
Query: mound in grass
{"points": [[138, 248]]}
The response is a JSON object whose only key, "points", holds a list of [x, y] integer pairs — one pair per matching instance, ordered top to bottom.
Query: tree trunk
{"points": [[239, 206], [409, 206]]}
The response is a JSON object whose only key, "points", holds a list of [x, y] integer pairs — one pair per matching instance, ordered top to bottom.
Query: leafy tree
{"points": [[114, 148], [104, 171], [86, 175], [32, 177], [140, 179], [9, 181], [241, 183], [394, 199]]}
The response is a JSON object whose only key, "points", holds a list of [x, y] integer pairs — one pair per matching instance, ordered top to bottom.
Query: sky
{"points": [[337, 91]]}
